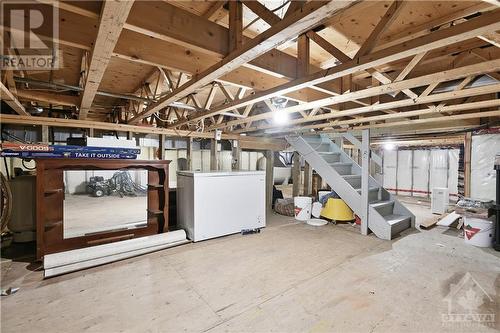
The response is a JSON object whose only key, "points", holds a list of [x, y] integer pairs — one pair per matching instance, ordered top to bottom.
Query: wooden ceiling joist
{"points": [[311, 14], [113, 16], [470, 29], [373, 91], [11, 100], [245, 141]]}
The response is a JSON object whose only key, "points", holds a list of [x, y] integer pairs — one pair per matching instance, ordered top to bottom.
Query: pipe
{"points": [[75, 88], [101, 93]]}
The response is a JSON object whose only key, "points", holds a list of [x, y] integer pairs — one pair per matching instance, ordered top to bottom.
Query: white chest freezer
{"points": [[217, 203]]}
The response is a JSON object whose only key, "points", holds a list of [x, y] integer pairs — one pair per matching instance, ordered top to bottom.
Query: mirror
{"points": [[98, 201]]}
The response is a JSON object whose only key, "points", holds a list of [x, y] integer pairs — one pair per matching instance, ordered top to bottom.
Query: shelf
{"points": [[155, 186], [53, 191], [155, 212], [51, 225]]}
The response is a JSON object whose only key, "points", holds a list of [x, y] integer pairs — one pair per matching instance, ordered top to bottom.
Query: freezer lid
{"points": [[219, 173]]}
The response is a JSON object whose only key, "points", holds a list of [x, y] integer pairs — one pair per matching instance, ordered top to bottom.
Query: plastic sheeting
{"points": [[390, 163], [438, 169], [453, 171], [404, 172], [417, 172], [421, 173], [483, 177]]}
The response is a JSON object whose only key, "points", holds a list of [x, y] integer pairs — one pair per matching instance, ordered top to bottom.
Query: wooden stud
{"points": [[235, 25], [45, 134], [236, 152], [189, 153], [214, 155], [467, 163], [296, 174], [307, 179], [269, 180]]}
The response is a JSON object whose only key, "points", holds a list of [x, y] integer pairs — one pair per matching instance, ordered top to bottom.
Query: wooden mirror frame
{"points": [[50, 203]]}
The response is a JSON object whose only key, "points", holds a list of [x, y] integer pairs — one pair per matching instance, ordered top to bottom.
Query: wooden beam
{"points": [[214, 8], [114, 13], [312, 14], [268, 16], [385, 22], [235, 25], [493, 38], [437, 39], [328, 47], [303, 55], [413, 62], [461, 72], [47, 97], [12, 101], [390, 105], [475, 115], [245, 141], [467, 163], [296, 174], [269, 180]]}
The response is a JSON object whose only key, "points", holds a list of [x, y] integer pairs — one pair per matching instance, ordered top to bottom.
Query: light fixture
{"points": [[280, 117], [389, 146]]}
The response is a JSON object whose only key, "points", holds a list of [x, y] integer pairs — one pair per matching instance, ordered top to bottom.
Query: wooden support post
{"points": [[235, 25], [91, 132], [45, 134], [130, 135], [161, 147], [189, 153], [214, 156], [236, 162], [467, 165], [296, 174], [365, 177], [307, 179], [269, 180], [316, 184]]}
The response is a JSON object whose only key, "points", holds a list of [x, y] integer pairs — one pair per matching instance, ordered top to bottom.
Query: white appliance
{"points": [[439, 200], [213, 204]]}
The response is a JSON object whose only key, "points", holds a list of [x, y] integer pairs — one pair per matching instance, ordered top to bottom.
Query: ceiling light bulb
{"points": [[280, 117], [389, 146]]}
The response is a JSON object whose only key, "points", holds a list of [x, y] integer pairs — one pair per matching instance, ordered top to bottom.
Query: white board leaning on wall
{"points": [[483, 177]]}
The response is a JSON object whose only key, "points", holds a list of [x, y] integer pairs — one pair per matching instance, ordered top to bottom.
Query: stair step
{"points": [[328, 153], [341, 164], [342, 168], [371, 189], [384, 208], [395, 219]]}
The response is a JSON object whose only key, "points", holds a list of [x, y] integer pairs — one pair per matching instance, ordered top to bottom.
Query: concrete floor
{"points": [[289, 278]]}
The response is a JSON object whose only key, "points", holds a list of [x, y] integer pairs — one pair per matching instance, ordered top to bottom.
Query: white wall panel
{"points": [[438, 168], [390, 169], [453, 172], [404, 173], [421, 173]]}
